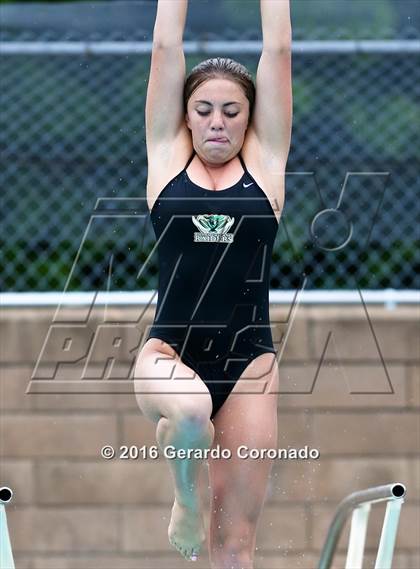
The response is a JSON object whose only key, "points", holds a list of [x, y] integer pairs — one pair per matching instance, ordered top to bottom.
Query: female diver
{"points": [[207, 376]]}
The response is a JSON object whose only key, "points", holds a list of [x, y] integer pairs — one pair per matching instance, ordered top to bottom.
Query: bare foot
{"points": [[186, 531]]}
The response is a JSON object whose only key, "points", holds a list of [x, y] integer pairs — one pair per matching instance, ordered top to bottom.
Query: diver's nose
{"points": [[217, 121]]}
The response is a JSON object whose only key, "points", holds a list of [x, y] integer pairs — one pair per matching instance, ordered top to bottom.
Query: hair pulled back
{"points": [[220, 68]]}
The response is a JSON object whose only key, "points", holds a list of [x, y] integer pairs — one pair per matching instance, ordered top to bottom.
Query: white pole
{"points": [[388, 535], [356, 547], [6, 557]]}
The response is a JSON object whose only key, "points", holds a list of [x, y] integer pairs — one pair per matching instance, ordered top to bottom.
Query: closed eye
{"points": [[204, 113]]}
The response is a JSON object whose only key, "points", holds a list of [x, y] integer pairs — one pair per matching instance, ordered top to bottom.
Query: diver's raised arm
{"points": [[170, 23], [276, 24], [164, 102], [272, 119]]}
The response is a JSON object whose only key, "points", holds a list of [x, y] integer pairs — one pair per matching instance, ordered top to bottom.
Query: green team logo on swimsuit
{"points": [[213, 228]]}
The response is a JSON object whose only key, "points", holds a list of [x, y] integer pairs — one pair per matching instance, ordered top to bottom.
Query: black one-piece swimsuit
{"points": [[214, 250]]}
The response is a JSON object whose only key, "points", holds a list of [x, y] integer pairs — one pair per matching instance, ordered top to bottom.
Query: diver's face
{"points": [[218, 109]]}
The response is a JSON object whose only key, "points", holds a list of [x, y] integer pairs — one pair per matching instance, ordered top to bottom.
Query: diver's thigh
{"points": [[166, 386]]}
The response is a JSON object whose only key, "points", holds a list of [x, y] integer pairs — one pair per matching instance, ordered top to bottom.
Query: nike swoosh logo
{"points": [[247, 185]]}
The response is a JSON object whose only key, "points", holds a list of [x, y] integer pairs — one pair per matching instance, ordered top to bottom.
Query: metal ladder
{"points": [[360, 503], [6, 556]]}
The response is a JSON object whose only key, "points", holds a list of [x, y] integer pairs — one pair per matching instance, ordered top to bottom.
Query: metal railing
{"points": [[204, 46], [389, 298], [360, 504], [6, 555]]}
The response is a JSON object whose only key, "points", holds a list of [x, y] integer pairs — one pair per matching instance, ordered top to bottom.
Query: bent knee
{"points": [[193, 419]]}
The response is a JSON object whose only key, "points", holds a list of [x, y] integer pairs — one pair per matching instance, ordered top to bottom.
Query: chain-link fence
{"points": [[72, 131]]}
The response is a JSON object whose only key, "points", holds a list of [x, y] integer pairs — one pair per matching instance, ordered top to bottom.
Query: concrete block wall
{"points": [[349, 386]]}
